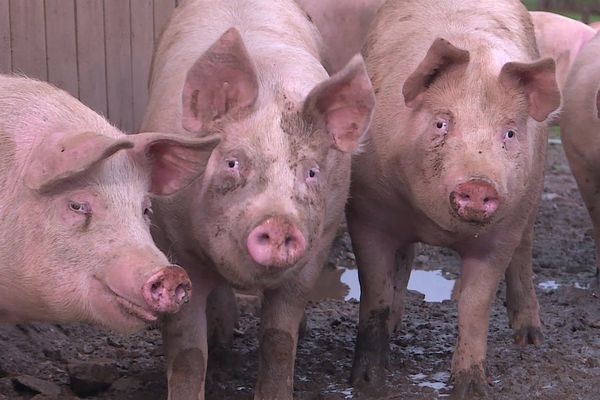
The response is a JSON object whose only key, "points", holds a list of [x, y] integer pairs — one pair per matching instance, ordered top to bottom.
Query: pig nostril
{"points": [[487, 199], [264, 237], [288, 241], [155, 290], [181, 295]]}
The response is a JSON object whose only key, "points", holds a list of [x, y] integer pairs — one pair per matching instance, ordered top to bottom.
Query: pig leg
{"points": [[587, 177], [381, 279], [480, 279], [521, 300], [282, 312], [221, 315], [185, 342]]}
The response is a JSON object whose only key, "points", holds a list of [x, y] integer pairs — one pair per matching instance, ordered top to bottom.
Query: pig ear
{"points": [[441, 57], [222, 81], [539, 82], [344, 104], [59, 157], [174, 160]]}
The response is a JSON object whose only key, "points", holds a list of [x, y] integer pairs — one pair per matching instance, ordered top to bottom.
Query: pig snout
{"points": [[475, 201], [276, 243], [167, 290]]}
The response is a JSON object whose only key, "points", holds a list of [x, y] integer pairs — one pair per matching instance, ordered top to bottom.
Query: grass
{"points": [[532, 5]]}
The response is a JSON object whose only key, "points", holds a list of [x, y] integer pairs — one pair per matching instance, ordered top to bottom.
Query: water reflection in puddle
{"points": [[343, 283], [431, 283], [553, 285]]}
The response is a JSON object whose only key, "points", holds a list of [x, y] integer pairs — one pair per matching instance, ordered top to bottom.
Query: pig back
{"points": [[580, 124]]}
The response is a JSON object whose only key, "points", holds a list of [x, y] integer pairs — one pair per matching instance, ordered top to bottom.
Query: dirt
{"points": [[565, 367]]}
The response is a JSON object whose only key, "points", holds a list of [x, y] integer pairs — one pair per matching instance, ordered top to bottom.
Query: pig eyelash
{"points": [[81, 207]]}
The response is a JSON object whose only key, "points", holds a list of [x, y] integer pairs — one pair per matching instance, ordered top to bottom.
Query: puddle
{"points": [[343, 284], [549, 285], [553, 285], [437, 381]]}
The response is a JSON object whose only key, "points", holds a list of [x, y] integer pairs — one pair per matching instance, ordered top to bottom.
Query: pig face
{"points": [[475, 134], [269, 185], [91, 257]]}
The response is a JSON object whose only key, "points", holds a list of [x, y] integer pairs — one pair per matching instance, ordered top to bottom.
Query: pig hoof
{"points": [[528, 335], [470, 384]]}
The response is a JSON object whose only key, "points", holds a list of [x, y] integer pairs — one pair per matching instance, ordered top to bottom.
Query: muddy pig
{"points": [[595, 25], [343, 26], [561, 38], [580, 129], [455, 158], [75, 210], [266, 210]]}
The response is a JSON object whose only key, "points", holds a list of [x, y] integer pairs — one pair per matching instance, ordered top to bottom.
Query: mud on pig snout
{"points": [[167, 290]]}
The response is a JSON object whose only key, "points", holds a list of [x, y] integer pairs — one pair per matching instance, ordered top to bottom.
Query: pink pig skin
{"points": [[455, 158], [267, 208], [75, 242]]}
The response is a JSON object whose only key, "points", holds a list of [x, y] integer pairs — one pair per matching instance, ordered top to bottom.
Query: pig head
{"points": [[474, 135], [75, 241]]}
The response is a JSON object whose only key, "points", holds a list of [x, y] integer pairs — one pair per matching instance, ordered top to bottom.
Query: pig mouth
{"points": [[128, 308], [132, 309]]}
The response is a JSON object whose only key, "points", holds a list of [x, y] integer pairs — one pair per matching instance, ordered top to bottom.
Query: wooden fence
{"points": [[98, 50]]}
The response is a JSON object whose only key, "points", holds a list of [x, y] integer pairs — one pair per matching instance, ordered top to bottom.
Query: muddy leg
{"points": [[377, 260], [404, 261], [479, 283], [521, 301], [221, 315], [281, 315], [185, 342]]}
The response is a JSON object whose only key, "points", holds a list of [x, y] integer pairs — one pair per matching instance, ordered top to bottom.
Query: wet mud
{"points": [[39, 358]]}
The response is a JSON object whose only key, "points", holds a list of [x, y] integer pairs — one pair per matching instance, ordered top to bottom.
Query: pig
{"points": [[595, 25], [343, 26], [561, 38], [580, 129], [454, 157], [265, 212], [75, 242]]}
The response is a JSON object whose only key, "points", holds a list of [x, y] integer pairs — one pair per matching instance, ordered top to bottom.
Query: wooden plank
{"points": [[162, 13], [28, 38], [61, 46], [142, 46], [5, 49], [90, 51], [118, 63]]}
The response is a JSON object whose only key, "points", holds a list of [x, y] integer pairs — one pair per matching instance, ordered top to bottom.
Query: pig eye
{"points": [[442, 126], [509, 134], [233, 164], [312, 175], [80, 207], [148, 212]]}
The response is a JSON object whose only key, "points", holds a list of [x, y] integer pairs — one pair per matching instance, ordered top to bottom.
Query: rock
{"points": [[89, 377], [27, 382]]}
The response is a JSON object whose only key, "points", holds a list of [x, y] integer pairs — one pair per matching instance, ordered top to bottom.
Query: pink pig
{"points": [[343, 25], [561, 38], [455, 158], [75, 211], [266, 211]]}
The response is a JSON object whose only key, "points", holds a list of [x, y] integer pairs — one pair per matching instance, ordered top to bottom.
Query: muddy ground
{"points": [[80, 358]]}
